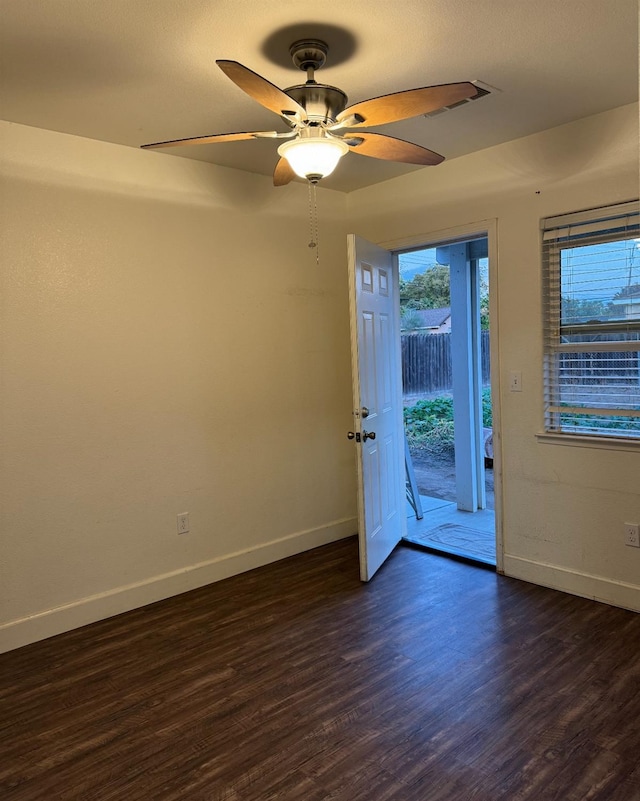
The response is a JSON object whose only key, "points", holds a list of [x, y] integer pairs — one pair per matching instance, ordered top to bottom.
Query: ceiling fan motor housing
{"points": [[322, 103]]}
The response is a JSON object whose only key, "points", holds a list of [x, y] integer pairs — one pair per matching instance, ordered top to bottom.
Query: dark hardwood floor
{"points": [[439, 681]]}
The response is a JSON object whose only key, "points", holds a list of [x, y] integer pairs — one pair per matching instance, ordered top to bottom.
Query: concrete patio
{"points": [[446, 529]]}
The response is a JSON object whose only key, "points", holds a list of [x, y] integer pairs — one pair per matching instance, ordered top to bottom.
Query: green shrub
{"points": [[435, 409], [487, 415], [429, 423], [597, 423]]}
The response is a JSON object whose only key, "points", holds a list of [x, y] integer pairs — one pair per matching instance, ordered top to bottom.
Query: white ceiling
{"points": [[137, 71]]}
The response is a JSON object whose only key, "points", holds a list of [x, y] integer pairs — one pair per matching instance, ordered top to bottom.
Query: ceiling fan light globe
{"points": [[313, 158]]}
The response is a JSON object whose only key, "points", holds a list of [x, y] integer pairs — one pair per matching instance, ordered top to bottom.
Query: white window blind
{"points": [[591, 264]]}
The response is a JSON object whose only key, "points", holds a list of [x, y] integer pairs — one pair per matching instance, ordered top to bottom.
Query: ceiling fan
{"points": [[319, 120]]}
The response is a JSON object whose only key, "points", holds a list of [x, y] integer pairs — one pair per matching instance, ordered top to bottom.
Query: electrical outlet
{"points": [[183, 523], [632, 535]]}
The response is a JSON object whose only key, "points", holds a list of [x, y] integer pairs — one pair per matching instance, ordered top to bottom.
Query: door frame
{"points": [[461, 233]]}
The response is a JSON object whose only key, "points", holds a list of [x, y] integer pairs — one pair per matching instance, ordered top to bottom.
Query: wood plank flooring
{"points": [[438, 681]]}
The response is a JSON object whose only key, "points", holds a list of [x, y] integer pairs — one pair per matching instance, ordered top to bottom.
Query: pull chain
{"points": [[313, 220]]}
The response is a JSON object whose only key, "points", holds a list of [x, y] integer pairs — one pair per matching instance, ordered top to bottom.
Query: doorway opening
{"points": [[445, 345]]}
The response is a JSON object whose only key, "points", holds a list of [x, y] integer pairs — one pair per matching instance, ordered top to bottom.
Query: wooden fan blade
{"points": [[262, 90], [402, 105], [205, 140], [389, 148], [283, 174]]}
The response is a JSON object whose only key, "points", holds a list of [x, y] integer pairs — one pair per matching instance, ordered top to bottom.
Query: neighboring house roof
{"points": [[632, 291], [629, 300], [629, 307], [433, 318]]}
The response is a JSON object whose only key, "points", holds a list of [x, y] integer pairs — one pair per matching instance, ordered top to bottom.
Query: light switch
{"points": [[515, 381]]}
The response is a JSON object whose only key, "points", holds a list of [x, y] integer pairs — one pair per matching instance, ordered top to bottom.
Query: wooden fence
{"points": [[426, 362]]}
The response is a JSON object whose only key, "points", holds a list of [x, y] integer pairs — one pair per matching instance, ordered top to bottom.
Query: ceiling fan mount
{"points": [[309, 53], [322, 103], [318, 118]]}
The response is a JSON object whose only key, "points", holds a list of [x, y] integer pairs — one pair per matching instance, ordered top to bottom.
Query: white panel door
{"points": [[378, 432]]}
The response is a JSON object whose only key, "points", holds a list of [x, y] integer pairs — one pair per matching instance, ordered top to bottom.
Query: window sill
{"points": [[584, 441]]}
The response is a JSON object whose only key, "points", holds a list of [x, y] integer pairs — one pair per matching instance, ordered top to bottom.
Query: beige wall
{"points": [[168, 345], [563, 507]]}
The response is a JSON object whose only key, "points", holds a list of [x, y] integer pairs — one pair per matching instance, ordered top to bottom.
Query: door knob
{"points": [[364, 412], [352, 435], [368, 435]]}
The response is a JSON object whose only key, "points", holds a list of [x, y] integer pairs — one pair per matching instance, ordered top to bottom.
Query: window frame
{"points": [[589, 227]]}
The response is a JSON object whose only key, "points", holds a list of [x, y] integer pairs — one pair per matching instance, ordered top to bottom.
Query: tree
{"points": [[428, 290], [582, 310], [484, 312], [409, 318]]}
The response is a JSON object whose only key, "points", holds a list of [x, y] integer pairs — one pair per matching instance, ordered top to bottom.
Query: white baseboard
{"points": [[596, 588], [36, 627]]}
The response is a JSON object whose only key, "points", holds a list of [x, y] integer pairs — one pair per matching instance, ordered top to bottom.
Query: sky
{"points": [[598, 272]]}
